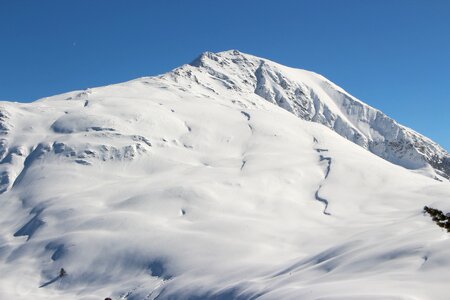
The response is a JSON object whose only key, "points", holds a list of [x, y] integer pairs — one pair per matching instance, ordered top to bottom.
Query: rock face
{"points": [[314, 98]]}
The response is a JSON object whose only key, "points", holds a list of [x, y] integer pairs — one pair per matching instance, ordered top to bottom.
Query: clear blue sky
{"points": [[392, 54]]}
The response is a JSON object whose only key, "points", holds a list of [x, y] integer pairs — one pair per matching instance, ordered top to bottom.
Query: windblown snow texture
{"points": [[211, 182]]}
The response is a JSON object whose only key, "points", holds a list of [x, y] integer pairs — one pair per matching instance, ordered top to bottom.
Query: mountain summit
{"points": [[313, 98], [219, 180]]}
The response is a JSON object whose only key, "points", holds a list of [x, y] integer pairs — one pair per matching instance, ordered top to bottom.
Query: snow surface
{"points": [[314, 98], [185, 186]]}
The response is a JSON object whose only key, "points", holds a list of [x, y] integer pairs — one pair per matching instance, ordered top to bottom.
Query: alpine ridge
{"points": [[313, 98]]}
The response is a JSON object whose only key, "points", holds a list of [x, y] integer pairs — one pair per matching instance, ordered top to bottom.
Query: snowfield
{"points": [[196, 185]]}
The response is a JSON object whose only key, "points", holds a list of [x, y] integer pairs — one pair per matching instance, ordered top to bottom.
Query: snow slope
{"points": [[314, 98], [185, 186]]}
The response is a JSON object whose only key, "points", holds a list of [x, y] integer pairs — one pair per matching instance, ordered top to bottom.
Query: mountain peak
{"points": [[219, 57], [312, 97]]}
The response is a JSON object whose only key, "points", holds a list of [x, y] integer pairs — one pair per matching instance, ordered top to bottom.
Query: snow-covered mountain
{"points": [[314, 98], [191, 185]]}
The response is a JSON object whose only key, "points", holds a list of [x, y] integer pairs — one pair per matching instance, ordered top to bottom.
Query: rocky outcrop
{"points": [[314, 98]]}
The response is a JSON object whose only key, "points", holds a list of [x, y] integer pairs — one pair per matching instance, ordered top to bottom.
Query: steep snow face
{"points": [[314, 98], [191, 186]]}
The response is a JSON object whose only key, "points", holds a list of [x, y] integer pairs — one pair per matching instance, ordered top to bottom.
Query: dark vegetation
{"points": [[438, 217], [62, 272]]}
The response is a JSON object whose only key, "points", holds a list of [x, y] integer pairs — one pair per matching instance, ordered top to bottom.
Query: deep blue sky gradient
{"points": [[392, 54]]}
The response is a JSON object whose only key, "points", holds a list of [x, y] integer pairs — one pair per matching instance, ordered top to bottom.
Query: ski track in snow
{"points": [[248, 117], [327, 172]]}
